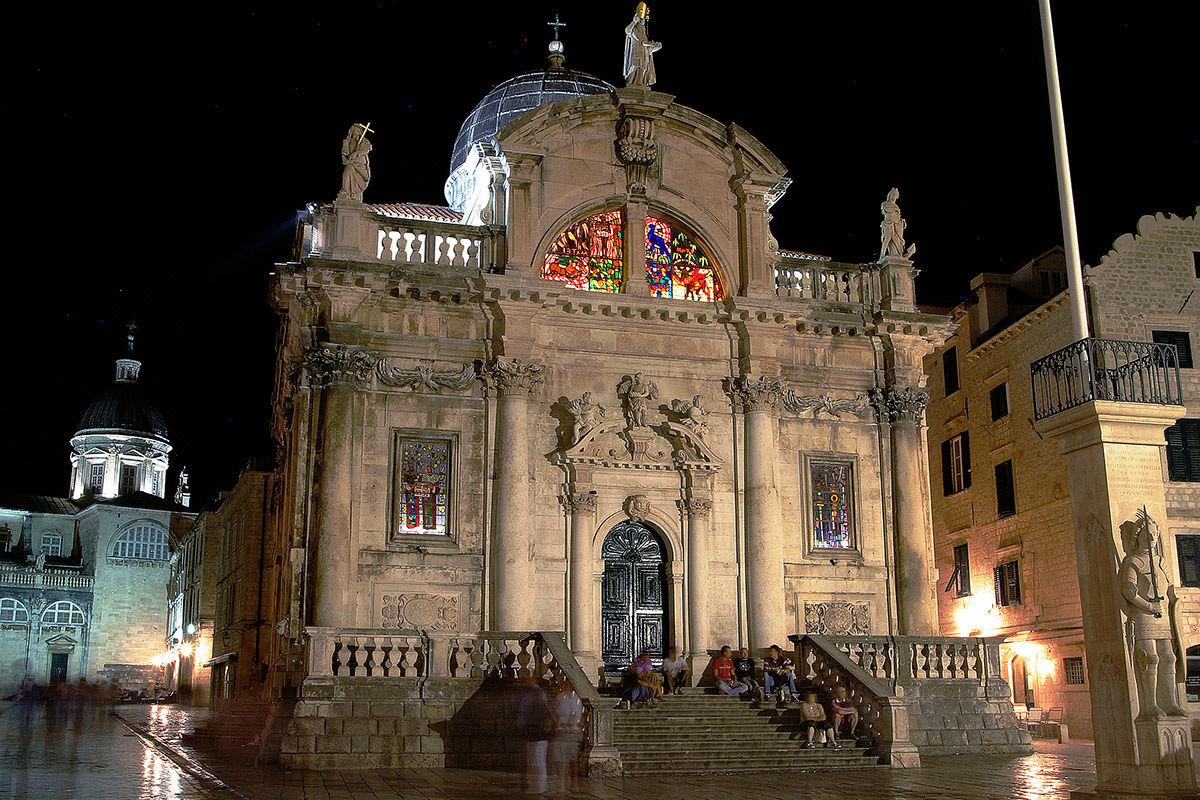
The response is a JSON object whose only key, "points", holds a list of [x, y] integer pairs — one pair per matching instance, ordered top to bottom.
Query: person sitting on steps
{"points": [[743, 665], [675, 671], [723, 671], [778, 672], [639, 683], [844, 709], [812, 719]]}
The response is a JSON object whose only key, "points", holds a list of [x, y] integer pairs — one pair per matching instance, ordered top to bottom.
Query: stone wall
{"points": [[955, 718]]}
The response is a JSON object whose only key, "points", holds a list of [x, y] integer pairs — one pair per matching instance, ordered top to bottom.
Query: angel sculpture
{"points": [[637, 394], [692, 414], [587, 415]]}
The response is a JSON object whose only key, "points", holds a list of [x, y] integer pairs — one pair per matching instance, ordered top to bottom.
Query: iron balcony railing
{"points": [[1106, 369]]}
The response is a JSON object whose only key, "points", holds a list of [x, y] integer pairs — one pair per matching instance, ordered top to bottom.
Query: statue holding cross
{"points": [[356, 171]]}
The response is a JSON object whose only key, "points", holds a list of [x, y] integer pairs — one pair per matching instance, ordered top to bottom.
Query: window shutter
{"points": [[1181, 340], [1191, 448], [1176, 458], [966, 460], [947, 477], [1006, 503], [1189, 559], [1013, 581], [998, 582]]}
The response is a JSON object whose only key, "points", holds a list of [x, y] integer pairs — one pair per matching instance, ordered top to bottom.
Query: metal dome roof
{"points": [[514, 97], [123, 407]]}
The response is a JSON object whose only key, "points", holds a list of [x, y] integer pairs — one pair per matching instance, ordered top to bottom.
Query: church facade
{"points": [[594, 395]]}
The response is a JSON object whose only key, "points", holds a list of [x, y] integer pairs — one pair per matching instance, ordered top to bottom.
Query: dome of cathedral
{"points": [[514, 97], [124, 407]]}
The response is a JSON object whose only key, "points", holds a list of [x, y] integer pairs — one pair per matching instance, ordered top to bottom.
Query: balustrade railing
{"points": [[363, 234], [813, 280], [1106, 369], [51, 578], [367, 653]]}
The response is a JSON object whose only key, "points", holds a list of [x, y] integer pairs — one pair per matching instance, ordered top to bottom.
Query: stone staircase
{"points": [[241, 730], [700, 731]]}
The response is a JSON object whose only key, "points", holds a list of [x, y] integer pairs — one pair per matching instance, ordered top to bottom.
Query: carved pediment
{"points": [[667, 445], [62, 640]]}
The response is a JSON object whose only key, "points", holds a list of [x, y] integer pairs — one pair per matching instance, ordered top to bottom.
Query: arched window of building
{"points": [[590, 254], [143, 541], [52, 543], [12, 610], [64, 612]]}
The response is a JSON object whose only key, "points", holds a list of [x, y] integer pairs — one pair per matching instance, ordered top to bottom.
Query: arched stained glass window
{"points": [[589, 254], [143, 541], [12, 610], [64, 612]]}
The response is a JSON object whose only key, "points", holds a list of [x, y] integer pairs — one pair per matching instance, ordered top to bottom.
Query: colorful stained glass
{"points": [[589, 254], [676, 267], [425, 486], [831, 505]]}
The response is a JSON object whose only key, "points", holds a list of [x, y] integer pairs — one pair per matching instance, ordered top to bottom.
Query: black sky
{"points": [[157, 154]]}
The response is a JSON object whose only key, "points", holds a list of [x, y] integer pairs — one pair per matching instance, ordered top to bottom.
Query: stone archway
{"points": [[634, 602]]}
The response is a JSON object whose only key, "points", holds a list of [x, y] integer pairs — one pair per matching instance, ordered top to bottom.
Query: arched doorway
{"points": [[633, 595]]}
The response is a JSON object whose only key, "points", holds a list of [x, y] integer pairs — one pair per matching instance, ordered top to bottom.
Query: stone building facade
{"points": [[594, 395], [1002, 511]]}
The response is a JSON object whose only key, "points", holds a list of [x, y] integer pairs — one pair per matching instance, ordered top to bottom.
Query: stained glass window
{"points": [[589, 254], [676, 266], [425, 486], [831, 499]]}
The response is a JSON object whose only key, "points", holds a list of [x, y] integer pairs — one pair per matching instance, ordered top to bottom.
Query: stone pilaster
{"points": [[338, 371], [513, 382], [759, 400], [902, 409], [1114, 462], [698, 511], [584, 613]]}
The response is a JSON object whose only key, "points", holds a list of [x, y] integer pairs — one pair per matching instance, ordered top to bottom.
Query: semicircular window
{"points": [[589, 254]]}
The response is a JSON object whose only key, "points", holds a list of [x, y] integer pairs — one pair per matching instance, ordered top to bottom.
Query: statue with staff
{"points": [[639, 50], [356, 169], [1152, 610]]}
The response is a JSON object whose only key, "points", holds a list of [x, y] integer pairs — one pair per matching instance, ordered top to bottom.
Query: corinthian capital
{"points": [[340, 364], [512, 376], [755, 394], [897, 403], [580, 503], [697, 507]]}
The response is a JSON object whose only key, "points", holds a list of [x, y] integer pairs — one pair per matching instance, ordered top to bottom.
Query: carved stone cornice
{"points": [[340, 364], [508, 376], [424, 378], [755, 394], [900, 403], [818, 404], [580, 503], [696, 507]]}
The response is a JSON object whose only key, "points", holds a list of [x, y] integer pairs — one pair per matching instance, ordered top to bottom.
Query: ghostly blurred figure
{"points": [[535, 724], [568, 736]]}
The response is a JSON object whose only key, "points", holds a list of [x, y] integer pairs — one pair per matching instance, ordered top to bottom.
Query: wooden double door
{"points": [[633, 607]]}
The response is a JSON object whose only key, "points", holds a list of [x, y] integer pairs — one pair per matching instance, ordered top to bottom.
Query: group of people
{"points": [[644, 684], [552, 726]]}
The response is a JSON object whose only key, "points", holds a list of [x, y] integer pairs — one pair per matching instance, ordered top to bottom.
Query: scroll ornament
{"points": [[424, 378], [818, 404]]}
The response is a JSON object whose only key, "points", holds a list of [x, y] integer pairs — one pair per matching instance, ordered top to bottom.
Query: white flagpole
{"points": [[1079, 321]]}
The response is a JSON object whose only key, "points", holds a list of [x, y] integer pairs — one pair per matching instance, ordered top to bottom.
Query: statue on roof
{"points": [[639, 50], [356, 173], [892, 229]]}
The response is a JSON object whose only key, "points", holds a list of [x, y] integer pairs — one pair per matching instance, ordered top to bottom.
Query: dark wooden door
{"points": [[632, 603], [58, 667]]}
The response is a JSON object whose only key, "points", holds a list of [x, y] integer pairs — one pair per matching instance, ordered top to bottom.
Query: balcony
{"points": [[1106, 369], [50, 579]]}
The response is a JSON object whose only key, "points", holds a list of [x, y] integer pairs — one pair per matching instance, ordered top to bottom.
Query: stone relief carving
{"points": [[638, 67], [637, 150], [356, 170], [892, 230], [338, 364], [512, 375], [424, 378], [636, 393], [755, 394], [900, 403], [818, 404], [587, 415], [692, 415], [580, 503], [637, 506], [438, 612], [837, 618]]}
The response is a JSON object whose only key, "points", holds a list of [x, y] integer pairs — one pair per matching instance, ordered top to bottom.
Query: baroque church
{"points": [[593, 393]]}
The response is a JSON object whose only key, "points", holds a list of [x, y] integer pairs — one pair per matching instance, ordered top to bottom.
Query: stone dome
{"points": [[514, 97], [124, 408]]}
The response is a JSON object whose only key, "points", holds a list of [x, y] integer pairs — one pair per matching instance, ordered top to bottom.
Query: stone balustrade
{"points": [[356, 232], [803, 279], [51, 578]]}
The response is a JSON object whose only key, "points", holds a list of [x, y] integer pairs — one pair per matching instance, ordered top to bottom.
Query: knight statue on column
{"points": [[1153, 625]]}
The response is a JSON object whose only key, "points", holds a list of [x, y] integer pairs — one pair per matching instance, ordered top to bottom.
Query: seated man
{"points": [[743, 666], [675, 671], [778, 671], [727, 680], [844, 709], [812, 718]]}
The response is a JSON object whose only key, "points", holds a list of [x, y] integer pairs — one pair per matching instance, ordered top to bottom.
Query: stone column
{"points": [[337, 369], [759, 399], [902, 408], [1114, 462], [698, 511], [513, 591], [583, 613]]}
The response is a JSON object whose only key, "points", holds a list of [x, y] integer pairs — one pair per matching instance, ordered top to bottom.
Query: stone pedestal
{"points": [[1115, 466]]}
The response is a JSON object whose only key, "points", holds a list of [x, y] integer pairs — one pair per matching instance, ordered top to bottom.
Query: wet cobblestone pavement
{"points": [[97, 758]]}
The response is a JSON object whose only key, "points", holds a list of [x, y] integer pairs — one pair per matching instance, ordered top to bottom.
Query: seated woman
{"points": [[640, 684], [844, 709], [812, 718]]}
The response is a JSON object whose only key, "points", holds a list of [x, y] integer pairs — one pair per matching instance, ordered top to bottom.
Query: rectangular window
{"points": [[1053, 283], [1182, 341], [950, 369], [999, 397], [1183, 451], [956, 464], [155, 478], [96, 479], [128, 479], [424, 490], [1006, 495], [832, 514], [52, 544], [1189, 559], [1007, 577], [960, 579], [1073, 670]]}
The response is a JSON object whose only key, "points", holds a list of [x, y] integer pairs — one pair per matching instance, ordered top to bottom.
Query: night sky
{"points": [[155, 158]]}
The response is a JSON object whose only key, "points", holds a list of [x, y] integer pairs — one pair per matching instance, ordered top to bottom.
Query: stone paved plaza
{"points": [[99, 757]]}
